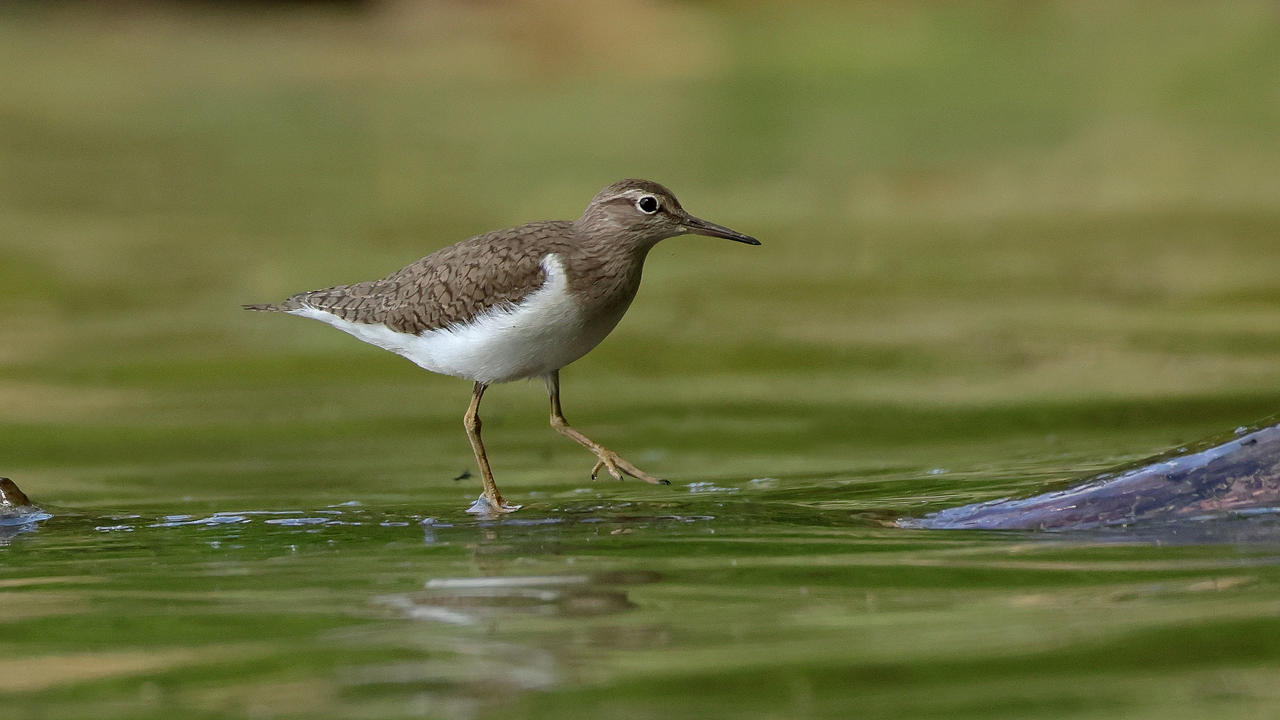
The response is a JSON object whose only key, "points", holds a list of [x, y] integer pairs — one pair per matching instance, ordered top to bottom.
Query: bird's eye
{"points": [[647, 204]]}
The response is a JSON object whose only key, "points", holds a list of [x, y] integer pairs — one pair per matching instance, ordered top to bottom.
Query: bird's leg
{"points": [[471, 421], [606, 458]]}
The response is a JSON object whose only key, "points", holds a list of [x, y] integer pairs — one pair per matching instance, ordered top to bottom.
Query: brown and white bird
{"points": [[516, 303]]}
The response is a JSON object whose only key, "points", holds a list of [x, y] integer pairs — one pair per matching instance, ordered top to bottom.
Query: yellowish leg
{"points": [[471, 421], [606, 458]]}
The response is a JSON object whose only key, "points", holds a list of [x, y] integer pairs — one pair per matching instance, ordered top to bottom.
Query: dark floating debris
{"points": [[1233, 475], [11, 496], [17, 514]]}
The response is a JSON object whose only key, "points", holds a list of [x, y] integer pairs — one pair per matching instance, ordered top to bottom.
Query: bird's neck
{"points": [[606, 275]]}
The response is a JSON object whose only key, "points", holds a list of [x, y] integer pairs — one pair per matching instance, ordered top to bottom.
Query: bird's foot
{"points": [[618, 466], [491, 507]]}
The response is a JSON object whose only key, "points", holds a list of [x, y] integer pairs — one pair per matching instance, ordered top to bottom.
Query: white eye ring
{"points": [[648, 204]]}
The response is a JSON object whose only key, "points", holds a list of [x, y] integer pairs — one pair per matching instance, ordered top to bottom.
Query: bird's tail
{"points": [[285, 306]]}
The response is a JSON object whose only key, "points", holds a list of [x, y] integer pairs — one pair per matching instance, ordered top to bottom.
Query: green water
{"points": [[1004, 246], [772, 598]]}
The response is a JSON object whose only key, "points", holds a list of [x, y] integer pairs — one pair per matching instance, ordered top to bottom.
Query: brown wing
{"points": [[449, 286]]}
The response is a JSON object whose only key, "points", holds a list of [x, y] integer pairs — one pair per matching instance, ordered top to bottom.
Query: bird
{"points": [[517, 303]]}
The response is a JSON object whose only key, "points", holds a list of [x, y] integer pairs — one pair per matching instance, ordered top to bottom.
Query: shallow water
{"points": [[713, 598]]}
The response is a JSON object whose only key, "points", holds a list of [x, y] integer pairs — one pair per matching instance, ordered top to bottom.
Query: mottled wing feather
{"points": [[450, 286]]}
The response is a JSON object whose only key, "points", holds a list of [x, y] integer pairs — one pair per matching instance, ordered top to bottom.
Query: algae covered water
{"points": [[1003, 247]]}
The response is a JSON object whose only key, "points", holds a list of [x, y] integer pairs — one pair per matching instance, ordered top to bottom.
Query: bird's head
{"points": [[644, 212]]}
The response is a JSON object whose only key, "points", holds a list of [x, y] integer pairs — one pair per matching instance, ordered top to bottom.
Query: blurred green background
{"points": [[964, 205], [1017, 240]]}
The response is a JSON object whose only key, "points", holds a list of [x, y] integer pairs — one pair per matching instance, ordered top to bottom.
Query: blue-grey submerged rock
{"points": [[1218, 478]]}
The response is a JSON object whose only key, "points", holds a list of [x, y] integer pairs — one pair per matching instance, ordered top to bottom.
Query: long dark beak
{"points": [[698, 226]]}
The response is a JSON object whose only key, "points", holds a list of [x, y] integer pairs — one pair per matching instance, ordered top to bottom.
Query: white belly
{"points": [[545, 332]]}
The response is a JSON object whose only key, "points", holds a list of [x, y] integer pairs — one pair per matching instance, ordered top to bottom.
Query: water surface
{"points": [[1003, 247], [721, 599]]}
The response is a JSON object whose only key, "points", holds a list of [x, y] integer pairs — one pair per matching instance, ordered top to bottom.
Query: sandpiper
{"points": [[516, 303]]}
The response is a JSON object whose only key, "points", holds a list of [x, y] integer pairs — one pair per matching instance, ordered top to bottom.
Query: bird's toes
{"points": [[608, 462], [618, 467], [639, 474], [486, 508]]}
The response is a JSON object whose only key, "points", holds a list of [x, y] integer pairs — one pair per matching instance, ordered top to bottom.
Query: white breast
{"points": [[544, 332]]}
